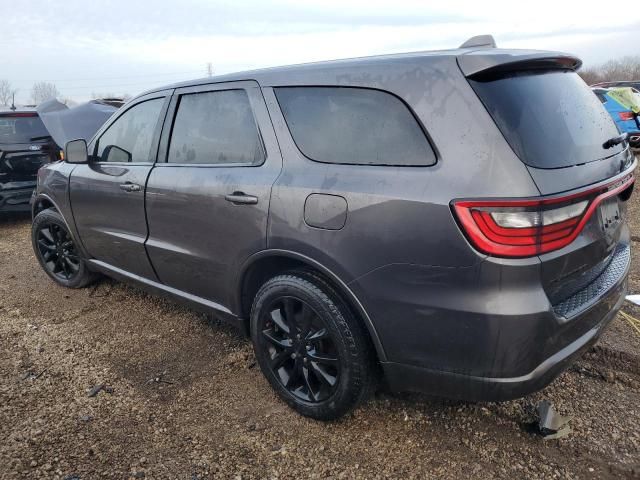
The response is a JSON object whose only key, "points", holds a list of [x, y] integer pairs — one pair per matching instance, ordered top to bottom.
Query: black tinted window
{"points": [[550, 119], [354, 126], [215, 127], [21, 128], [129, 138]]}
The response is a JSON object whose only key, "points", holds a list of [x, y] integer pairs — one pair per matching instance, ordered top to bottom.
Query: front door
{"points": [[107, 194], [208, 202]]}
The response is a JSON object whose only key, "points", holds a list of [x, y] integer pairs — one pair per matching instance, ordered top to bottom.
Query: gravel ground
{"points": [[183, 399]]}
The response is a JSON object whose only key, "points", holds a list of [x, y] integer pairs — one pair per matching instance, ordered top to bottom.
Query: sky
{"points": [[115, 47]]}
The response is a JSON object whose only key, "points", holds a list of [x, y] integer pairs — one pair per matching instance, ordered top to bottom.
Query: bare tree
{"points": [[619, 69], [42, 91], [6, 92]]}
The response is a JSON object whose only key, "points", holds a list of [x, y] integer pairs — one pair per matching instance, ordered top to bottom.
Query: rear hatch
{"points": [[558, 128], [25, 146]]}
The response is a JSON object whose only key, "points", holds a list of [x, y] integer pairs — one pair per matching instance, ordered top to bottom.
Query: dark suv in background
{"points": [[25, 145], [433, 216]]}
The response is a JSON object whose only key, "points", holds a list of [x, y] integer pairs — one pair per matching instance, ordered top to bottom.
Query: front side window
{"points": [[355, 126], [215, 128], [129, 138]]}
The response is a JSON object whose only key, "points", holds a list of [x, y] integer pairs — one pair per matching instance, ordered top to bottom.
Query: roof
{"points": [[478, 57]]}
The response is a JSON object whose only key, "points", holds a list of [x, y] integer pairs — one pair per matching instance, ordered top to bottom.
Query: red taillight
{"points": [[626, 115], [524, 228]]}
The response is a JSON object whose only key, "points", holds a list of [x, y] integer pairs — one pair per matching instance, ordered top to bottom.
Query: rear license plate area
{"points": [[610, 215]]}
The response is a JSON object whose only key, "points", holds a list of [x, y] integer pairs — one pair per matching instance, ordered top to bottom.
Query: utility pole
{"points": [[209, 69]]}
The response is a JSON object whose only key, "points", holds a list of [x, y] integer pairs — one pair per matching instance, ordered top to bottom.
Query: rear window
{"points": [[551, 119], [356, 126], [20, 128]]}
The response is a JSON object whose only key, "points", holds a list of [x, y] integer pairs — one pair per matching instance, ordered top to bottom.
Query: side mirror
{"points": [[75, 151]]}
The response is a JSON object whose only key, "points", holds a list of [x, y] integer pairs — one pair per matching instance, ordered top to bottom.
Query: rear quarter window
{"points": [[356, 126]]}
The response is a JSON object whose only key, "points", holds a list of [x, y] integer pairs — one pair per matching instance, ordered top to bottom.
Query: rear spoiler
{"points": [[489, 62]]}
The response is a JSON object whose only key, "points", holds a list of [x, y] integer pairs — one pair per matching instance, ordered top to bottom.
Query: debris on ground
{"points": [[95, 390], [551, 425]]}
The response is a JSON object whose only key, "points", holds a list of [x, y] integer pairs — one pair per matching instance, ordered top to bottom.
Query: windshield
{"points": [[551, 119], [21, 128]]}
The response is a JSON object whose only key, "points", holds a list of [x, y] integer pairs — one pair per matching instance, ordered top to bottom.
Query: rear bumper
{"points": [[16, 199], [489, 332], [401, 377]]}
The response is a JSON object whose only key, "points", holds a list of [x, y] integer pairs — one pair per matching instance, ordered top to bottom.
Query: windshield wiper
{"points": [[42, 137], [612, 142]]}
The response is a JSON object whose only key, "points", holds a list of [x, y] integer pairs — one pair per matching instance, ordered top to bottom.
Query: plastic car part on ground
{"points": [[65, 124], [551, 425]]}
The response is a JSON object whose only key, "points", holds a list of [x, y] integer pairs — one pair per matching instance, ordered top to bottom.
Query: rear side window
{"points": [[551, 119], [356, 126], [215, 128]]}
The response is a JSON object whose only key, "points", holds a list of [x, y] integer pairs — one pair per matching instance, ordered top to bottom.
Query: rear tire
{"points": [[56, 251], [313, 351]]}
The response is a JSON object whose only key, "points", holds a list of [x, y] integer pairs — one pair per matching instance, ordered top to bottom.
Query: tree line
{"points": [[620, 69], [43, 91]]}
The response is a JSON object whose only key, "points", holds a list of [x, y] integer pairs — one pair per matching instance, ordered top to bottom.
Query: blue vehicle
{"points": [[626, 120]]}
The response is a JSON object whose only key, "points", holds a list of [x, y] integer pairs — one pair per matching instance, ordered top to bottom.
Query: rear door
{"points": [[107, 194], [208, 197]]}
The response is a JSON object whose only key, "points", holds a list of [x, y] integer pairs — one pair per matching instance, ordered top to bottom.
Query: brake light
{"points": [[626, 115], [518, 228]]}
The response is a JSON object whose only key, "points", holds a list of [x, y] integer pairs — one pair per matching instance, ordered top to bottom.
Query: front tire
{"points": [[54, 248], [310, 347]]}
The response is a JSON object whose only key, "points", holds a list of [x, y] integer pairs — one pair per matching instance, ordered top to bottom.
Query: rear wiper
{"points": [[42, 137], [612, 142]]}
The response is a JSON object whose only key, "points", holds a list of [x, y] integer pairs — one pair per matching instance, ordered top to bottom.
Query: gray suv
{"points": [[452, 222]]}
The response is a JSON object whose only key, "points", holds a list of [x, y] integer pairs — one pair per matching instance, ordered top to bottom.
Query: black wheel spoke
{"points": [[46, 233], [46, 245], [73, 266], [276, 317], [318, 335], [285, 343], [280, 358], [323, 359], [294, 373], [322, 374], [307, 382]]}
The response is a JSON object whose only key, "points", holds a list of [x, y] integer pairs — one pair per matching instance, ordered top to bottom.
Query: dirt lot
{"points": [[184, 399]]}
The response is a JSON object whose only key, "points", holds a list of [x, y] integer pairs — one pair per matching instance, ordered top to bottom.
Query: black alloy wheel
{"points": [[57, 251], [310, 346], [302, 354]]}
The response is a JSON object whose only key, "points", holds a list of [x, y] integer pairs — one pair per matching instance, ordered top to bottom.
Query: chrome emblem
{"points": [[34, 147]]}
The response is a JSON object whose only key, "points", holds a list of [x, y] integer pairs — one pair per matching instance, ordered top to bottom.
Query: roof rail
{"points": [[480, 41]]}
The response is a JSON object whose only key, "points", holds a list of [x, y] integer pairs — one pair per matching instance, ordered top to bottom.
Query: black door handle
{"points": [[130, 187], [240, 198]]}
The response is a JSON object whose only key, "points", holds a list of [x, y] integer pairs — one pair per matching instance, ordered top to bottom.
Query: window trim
{"points": [[210, 88], [427, 137], [155, 139]]}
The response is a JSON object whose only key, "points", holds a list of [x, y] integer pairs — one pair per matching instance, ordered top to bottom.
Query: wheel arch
{"points": [[43, 202], [269, 263]]}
